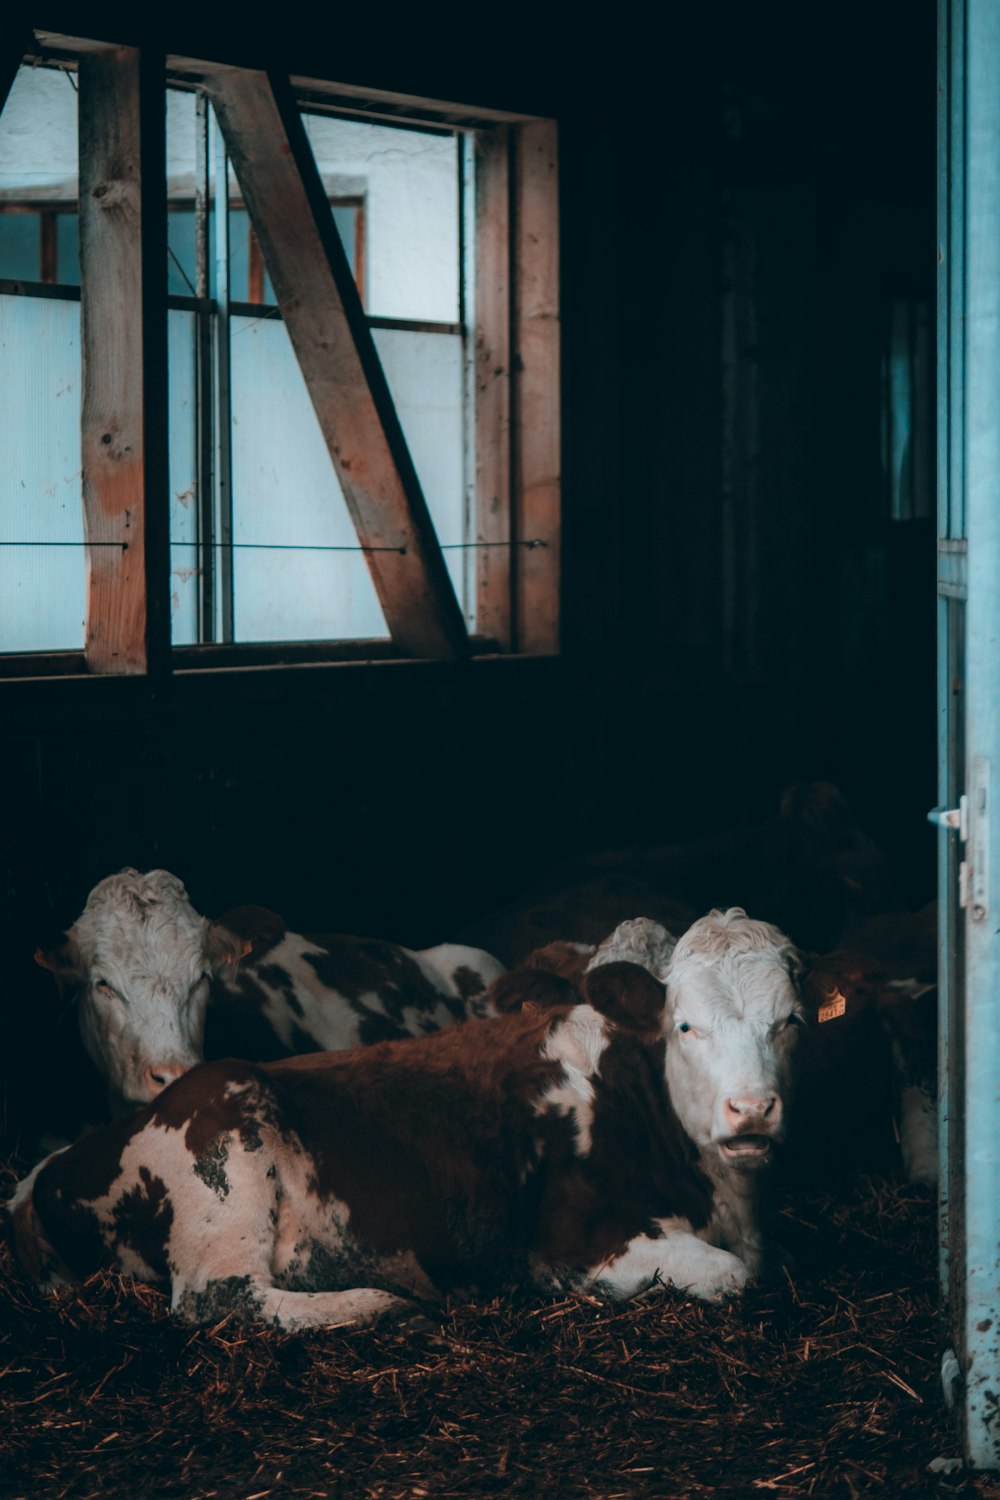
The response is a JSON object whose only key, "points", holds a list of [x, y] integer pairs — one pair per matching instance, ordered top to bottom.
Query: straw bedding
{"points": [[825, 1384]]}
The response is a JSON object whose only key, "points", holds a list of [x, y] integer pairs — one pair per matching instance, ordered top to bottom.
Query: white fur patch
{"points": [[638, 941], [578, 1043], [678, 1258]]}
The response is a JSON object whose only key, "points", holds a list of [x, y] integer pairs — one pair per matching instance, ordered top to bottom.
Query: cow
{"points": [[901, 957], [160, 987], [867, 1062], [548, 1148]]}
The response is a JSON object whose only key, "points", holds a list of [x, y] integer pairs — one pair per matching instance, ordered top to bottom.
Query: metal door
{"points": [[969, 712]]}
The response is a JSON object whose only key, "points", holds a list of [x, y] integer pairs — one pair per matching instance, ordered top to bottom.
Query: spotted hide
{"points": [[159, 988], [548, 1146]]}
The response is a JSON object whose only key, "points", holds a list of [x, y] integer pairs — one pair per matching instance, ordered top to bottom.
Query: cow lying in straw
{"points": [[160, 988], [550, 1146]]}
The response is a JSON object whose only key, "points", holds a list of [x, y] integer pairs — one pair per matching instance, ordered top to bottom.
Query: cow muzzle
{"points": [[754, 1123]]}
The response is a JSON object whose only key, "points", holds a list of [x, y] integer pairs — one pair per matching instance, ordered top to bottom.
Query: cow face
{"points": [[141, 957], [733, 1018]]}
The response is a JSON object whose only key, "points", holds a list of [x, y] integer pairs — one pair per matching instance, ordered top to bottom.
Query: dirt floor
{"points": [[824, 1385]]}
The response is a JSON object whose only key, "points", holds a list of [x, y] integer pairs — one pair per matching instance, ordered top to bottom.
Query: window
{"points": [[342, 400]]}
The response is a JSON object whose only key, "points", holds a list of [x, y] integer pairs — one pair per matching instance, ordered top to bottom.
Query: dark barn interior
{"points": [[745, 196]]}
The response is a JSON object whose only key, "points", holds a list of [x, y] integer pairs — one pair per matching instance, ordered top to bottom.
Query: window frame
{"points": [[512, 368]]}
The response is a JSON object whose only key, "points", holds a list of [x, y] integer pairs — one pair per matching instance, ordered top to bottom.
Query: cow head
{"points": [[140, 958], [733, 1017]]}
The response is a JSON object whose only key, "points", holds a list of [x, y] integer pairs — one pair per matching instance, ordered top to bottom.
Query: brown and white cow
{"points": [[160, 987], [867, 1063], [548, 1146]]}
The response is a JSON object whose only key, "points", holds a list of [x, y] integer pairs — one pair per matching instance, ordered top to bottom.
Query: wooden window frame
{"points": [[512, 365]]}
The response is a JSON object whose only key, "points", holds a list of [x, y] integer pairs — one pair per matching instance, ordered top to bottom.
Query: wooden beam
{"points": [[322, 310], [124, 360], [492, 385], [535, 403]]}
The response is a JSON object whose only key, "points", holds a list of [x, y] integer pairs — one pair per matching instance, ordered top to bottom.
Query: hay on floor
{"points": [[825, 1384]]}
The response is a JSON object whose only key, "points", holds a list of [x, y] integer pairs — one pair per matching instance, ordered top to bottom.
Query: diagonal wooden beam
{"points": [[123, 287], [319, 302]]}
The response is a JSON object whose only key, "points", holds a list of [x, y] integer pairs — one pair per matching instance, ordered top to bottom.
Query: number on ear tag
{"points": [[833, 1008]]}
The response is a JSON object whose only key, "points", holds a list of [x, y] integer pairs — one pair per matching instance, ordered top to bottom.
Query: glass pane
{"points": [[38, 170], [182, 181], [408, 182], [345, 217], [19, 246], [68, 248], [239, 255], [182, 269], [182, 332], [424, 371], [285, 491], [42, 584]]}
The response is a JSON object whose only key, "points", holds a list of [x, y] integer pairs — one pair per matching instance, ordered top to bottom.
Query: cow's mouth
{"points": [[746, 1150]]}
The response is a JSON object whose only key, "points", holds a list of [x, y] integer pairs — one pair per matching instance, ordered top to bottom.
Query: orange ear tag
{"points": [[833, 1008]]}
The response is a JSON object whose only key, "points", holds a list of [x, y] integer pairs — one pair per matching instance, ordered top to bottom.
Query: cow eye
{"points": [[794, 1020], [684, 1026]]}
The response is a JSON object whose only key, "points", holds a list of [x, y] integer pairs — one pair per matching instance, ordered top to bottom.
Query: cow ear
{"points": [[242, 930], [225, 947], [60, 956], [841, 984], [628, 995]]}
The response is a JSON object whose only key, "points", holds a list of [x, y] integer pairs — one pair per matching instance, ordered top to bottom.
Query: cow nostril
{"points": [[160, 1077], [756, 1108]]}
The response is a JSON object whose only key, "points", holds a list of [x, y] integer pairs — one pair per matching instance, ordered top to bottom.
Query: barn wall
{"points": [[738, 613]]}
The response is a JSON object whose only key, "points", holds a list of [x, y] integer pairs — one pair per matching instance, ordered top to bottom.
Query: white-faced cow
{"points": [[160, 988], [867, 1062], [549, 1146]]}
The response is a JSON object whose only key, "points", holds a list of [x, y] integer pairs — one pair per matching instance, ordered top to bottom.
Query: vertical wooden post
{"points": [[124, 357], [537, 496], [493, 518]]}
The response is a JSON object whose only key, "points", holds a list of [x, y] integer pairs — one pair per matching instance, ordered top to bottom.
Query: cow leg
{"points": [[918, 1135], [223, 1242], [677, 1258], [250, 1295]]}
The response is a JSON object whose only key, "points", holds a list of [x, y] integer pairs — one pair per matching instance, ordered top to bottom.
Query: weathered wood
{"points": [[323, 314], [124, 360], [492, 385], [535, 401]]}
